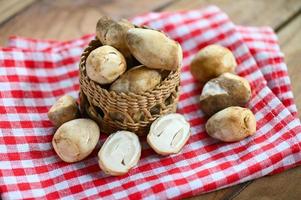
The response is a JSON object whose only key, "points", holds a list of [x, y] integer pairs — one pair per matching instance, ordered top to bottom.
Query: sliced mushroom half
{"points": [[168, 134], [120, 152]]}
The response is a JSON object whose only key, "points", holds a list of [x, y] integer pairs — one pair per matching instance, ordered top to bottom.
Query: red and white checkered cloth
{"points": [[34, 73]]}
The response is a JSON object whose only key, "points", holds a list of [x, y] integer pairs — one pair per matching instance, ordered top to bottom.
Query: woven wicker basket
{"points": [[118, 111]]}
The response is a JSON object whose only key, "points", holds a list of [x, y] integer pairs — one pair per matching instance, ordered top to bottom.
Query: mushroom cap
{"points": [[112, 33], [154, 49], [212, 61], [105, 64], [137, 80], [224, 91], [63, 110], [231, 124], [75, 139]]}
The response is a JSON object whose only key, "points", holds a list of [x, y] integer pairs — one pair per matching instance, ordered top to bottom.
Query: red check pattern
{"points": [[34, 73]]}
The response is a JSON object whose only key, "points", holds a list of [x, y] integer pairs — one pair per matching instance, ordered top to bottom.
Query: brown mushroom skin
{"points": [[102, 27], [110, 32], [154, 49], [212, 61], [105, 64], [137, 80], [228, 90], [63, 110], [231, 124], [75, 139]]}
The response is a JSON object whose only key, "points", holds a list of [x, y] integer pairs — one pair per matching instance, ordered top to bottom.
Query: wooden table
{"points": [[67, 19]]}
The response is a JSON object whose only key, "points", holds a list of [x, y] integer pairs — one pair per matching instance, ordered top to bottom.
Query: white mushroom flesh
{"points": [[213, 88], [168, 134], [120, 152]]}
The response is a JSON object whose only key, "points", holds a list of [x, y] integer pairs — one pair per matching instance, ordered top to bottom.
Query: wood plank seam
{"points": [[288, 20], [237, 192]]}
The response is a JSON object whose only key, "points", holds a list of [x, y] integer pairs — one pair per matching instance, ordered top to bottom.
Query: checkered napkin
{"points": [[34, 73]]}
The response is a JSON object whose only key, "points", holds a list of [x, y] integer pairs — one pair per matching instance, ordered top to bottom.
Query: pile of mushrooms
{"points": [[130, 60], [136, 60], [223, 94]]}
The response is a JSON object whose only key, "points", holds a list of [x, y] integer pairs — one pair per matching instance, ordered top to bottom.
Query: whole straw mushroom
{"points": [[112, 33], [154, 49], [212, 61], [105, 64], [137, 80], [224, 91], [63, 110], [231, 124], [75, 139]]}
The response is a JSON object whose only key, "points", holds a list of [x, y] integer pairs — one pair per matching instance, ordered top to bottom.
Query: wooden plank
{"points": [[8, 8], [248, 12], [67, 19], [70, 19], [278, 187], [220, 194]]}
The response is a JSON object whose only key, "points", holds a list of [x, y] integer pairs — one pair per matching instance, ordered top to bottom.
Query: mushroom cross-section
{"points": [[168, 134], [120, 152]]}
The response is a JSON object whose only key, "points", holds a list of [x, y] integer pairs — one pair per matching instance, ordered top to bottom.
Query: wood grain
{"points": [[9, 8], [248, 12], [67, 19], [278, 187], [220, 194]]}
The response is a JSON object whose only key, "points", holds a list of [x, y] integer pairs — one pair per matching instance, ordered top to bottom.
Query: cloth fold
{"points": [[34, 73]]}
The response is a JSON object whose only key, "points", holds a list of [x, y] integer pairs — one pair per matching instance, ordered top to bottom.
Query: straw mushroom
{"points": [[112, 33], [154, 49], [212, 61], [105, 64], [137, 80], [224, 91], [65, 109], [231, 124], [168, 134], [75, 139], [120, 152]]}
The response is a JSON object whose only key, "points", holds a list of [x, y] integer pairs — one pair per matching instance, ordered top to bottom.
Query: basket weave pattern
{"points": [[119, 111]]}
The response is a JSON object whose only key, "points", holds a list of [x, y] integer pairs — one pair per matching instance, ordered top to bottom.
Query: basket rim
{"points": [[82, 65]]}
